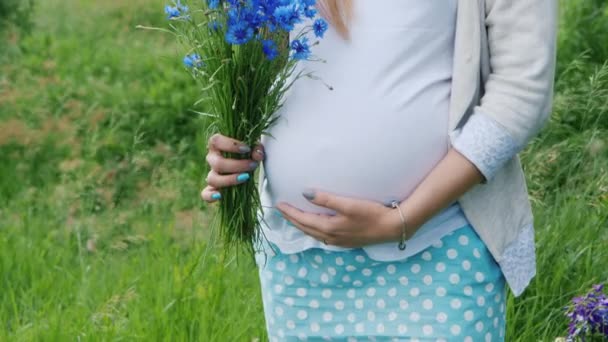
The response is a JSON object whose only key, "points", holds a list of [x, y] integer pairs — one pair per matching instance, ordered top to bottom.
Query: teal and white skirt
{"points": [[451, 291]]}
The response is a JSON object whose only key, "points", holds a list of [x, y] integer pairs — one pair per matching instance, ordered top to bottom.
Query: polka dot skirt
{"points": [[451, 291]]}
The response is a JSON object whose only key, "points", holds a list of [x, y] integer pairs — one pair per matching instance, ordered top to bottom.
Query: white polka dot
{"points": [[463, 240], [438, 244], [452, 253], [476, 253], [427, 256], [294, 258], [360, 258], [318, 259], [339, 261], [466, 265], [280, 266], [440, 267], [350, 268], [415, 268], [391, 269], [331, 271], [302, 272], [366, 272], [479, 276], [324, 277], [346, 278], [454, 278], [427, 279], [288, 280], [380, 280], [403, 280], [357, 283], [489, 287], [278, 288], [468, 290], [440, 291], [301, 292], [370, 292], [392, 292], [414, 292], [326, 293], [350, 293], [497, 298], [289, 301], [481, 301], [359, 303], [380, 303], [455, 303], [314, 304], [403, 304], [427, 304], [339, 305], [502, 307], [279, 311], [490, 312], [302, 314], [371, 315], [468, 315], [327, 316], [392, 316], [414, 316], [351, 317], [442, 317], [495, 322], [291, 324], [479, 326], [315, 327], [359, 327], [380, 328], [402, 328], [339, 329], [427, 329], [455, 329], [281, 333], [501, 333], [302, 336], [488, 337], [351, 339], [468, 339]]}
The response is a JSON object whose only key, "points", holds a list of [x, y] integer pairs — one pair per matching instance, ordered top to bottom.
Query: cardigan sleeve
{"points": [[518, 91], [486, 144]]}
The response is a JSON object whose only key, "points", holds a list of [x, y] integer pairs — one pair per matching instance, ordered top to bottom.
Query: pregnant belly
{"points": [[371, 152]]}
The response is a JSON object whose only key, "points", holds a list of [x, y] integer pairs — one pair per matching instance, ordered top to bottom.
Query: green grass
{"points": [[103, 235]]}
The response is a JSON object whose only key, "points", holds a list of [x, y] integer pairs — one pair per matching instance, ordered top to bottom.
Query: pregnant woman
{"points": [[395, 206]]}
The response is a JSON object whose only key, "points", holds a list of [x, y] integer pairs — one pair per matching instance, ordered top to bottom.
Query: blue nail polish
{"points": [[242, 177], [216, 196]]}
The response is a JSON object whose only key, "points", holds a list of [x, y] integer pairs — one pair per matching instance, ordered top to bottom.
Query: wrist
{"points": [[394, 225]]}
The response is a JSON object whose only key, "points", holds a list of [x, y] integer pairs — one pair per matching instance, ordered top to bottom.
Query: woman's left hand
{"points": [[356, 223]]}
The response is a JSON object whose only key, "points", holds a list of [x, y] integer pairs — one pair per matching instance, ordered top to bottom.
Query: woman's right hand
{"points": [[227, 171]]}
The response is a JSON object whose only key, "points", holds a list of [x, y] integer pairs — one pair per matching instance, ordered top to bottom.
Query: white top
{"points": [[381, 129]]}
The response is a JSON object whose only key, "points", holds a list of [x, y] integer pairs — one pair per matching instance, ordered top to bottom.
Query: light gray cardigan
{"points": [[504, 65]]}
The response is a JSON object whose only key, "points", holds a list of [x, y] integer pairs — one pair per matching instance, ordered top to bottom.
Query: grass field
{"points": [[102, 232]]}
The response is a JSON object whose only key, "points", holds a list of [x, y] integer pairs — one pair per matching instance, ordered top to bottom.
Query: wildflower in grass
{"points": [[177, 11], [319, 26], [239, 33], [300, 48], [270, 49], [193, 60], [588, 315]]}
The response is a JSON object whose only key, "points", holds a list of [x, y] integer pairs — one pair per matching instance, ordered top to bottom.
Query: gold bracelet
{"points": [[402, 245]]}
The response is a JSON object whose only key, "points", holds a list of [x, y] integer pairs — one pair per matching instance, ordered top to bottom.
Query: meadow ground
{"points": [[102, 232]]}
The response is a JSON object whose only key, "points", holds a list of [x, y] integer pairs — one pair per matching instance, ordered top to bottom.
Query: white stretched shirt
{"points": [[381, 129]]}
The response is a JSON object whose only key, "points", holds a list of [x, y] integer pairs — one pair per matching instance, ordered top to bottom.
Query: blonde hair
{"points": [[338, 13]]}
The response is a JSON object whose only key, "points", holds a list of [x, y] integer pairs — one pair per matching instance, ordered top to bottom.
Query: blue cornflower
{"points": [[172, 12], [287, 16], [319, 26], [239, 33], [301, 48], [270, 49], [193, 60]]}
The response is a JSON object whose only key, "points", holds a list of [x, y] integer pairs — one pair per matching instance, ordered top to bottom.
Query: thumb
{"points": [[341, 204]]}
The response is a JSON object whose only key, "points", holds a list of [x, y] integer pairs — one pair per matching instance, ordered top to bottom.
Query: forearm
{"points": [[451, 178]]}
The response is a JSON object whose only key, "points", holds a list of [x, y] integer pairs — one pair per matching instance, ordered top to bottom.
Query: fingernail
{"points": [[244, 149], [253, 165], [242, 177], [309, 194], [216, 196]]}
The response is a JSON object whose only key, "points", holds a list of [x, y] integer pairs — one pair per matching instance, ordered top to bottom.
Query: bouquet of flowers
{"points": [[241, 53], [588, 316]]}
